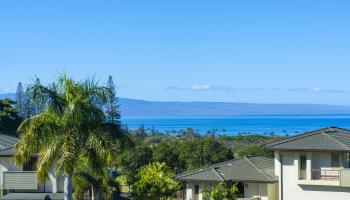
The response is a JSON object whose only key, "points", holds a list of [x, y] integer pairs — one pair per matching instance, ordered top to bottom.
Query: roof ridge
{"points": [[295, 137], [337, 141], [219, 163], [207, 167], [256, 167], [218, 174]]}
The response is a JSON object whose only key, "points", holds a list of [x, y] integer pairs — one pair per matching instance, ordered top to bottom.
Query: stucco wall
{"points": [[253, 190], [267, 191], [292, 191], [190, 193]]}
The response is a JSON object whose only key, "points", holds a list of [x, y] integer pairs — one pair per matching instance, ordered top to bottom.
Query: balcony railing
{"points": [[327, 174]]}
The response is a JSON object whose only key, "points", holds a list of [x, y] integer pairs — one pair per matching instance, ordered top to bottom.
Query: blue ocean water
{"points": [[286, 124]]}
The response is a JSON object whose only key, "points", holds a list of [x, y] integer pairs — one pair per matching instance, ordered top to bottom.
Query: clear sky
{"points": [[184, 50]]}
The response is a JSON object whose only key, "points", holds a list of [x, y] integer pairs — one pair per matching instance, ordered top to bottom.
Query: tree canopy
{"points": [[9, 119], [72, 127], [155, 182]]}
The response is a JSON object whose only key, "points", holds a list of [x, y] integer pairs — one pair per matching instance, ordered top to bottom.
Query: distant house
{"points": [[313, 165], [255, 175], [22, 179]]}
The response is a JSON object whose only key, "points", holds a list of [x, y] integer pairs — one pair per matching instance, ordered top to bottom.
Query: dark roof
{"points": [[325, 139], [7, 144], [247, 169], [33, 196]]}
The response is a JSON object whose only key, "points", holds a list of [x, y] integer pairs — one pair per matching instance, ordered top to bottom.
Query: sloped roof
{"points": [[325, 139], [7, 144], [247, 169]]}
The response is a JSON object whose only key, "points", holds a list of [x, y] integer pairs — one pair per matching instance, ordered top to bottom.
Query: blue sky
{"points": [[184, 50]]}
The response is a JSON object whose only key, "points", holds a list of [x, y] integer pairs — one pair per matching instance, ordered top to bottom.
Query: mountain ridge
{"points": [[135, 108]]}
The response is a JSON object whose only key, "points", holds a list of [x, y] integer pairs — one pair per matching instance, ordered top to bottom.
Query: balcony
{"points": [[326, 174], [327, 177], [21, 180]]}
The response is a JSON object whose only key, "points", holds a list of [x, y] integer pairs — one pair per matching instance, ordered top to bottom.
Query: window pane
{"points": [[335, 160], [302, 162], [196, 189]]}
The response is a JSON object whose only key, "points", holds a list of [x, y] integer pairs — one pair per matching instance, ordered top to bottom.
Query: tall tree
{"points": [[20, 100], [39, 101], [28, 106], [112, 107], [9, 120], [72, 128]]}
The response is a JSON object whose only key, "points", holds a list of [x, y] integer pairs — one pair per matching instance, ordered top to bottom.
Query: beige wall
{"points": [[264, 190]]}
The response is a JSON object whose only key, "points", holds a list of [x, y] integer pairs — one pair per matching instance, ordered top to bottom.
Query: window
{"points": [[335, 160], [302, 162], [30, 165], [196, 189]]}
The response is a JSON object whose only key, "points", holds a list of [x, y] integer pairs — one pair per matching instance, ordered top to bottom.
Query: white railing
{"points": [[327, 174]]}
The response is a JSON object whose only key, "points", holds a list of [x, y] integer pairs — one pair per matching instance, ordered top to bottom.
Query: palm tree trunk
{"points": [[68, 187]]}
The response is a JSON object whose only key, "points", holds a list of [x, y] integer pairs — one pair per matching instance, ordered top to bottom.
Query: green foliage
{"points": [[20, 100], [112, 105], [9, 119], [71, 127], [252, 149], [203, 151], [169, 153], [131, 160], [99, 181], [155, 182], [221, 191]]}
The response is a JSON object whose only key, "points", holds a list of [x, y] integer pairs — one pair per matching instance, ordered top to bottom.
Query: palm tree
{"points": [[72, 127], [99, 182]]}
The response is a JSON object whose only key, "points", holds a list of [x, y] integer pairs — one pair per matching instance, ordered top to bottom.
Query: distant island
{"points": [[134, 108]]}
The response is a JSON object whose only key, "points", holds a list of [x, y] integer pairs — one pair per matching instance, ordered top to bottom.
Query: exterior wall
{"points": [[47, 186], [291, 189], [190, 190], [256, 190], [272, 190], [264, 191]]}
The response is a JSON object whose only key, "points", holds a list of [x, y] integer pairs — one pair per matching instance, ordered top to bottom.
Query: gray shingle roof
{"points": [[325, 139], [7, 144], [247, 169]]}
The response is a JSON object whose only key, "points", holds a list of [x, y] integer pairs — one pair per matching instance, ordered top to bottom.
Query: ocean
{"points": [[281, 124]]}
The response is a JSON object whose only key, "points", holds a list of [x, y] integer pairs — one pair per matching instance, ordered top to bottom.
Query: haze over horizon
{"points": [[232, 51]]}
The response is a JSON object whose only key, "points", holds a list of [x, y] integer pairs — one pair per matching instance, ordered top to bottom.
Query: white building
{"points": [[314, 165], [309, 166], [22, 179]]}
